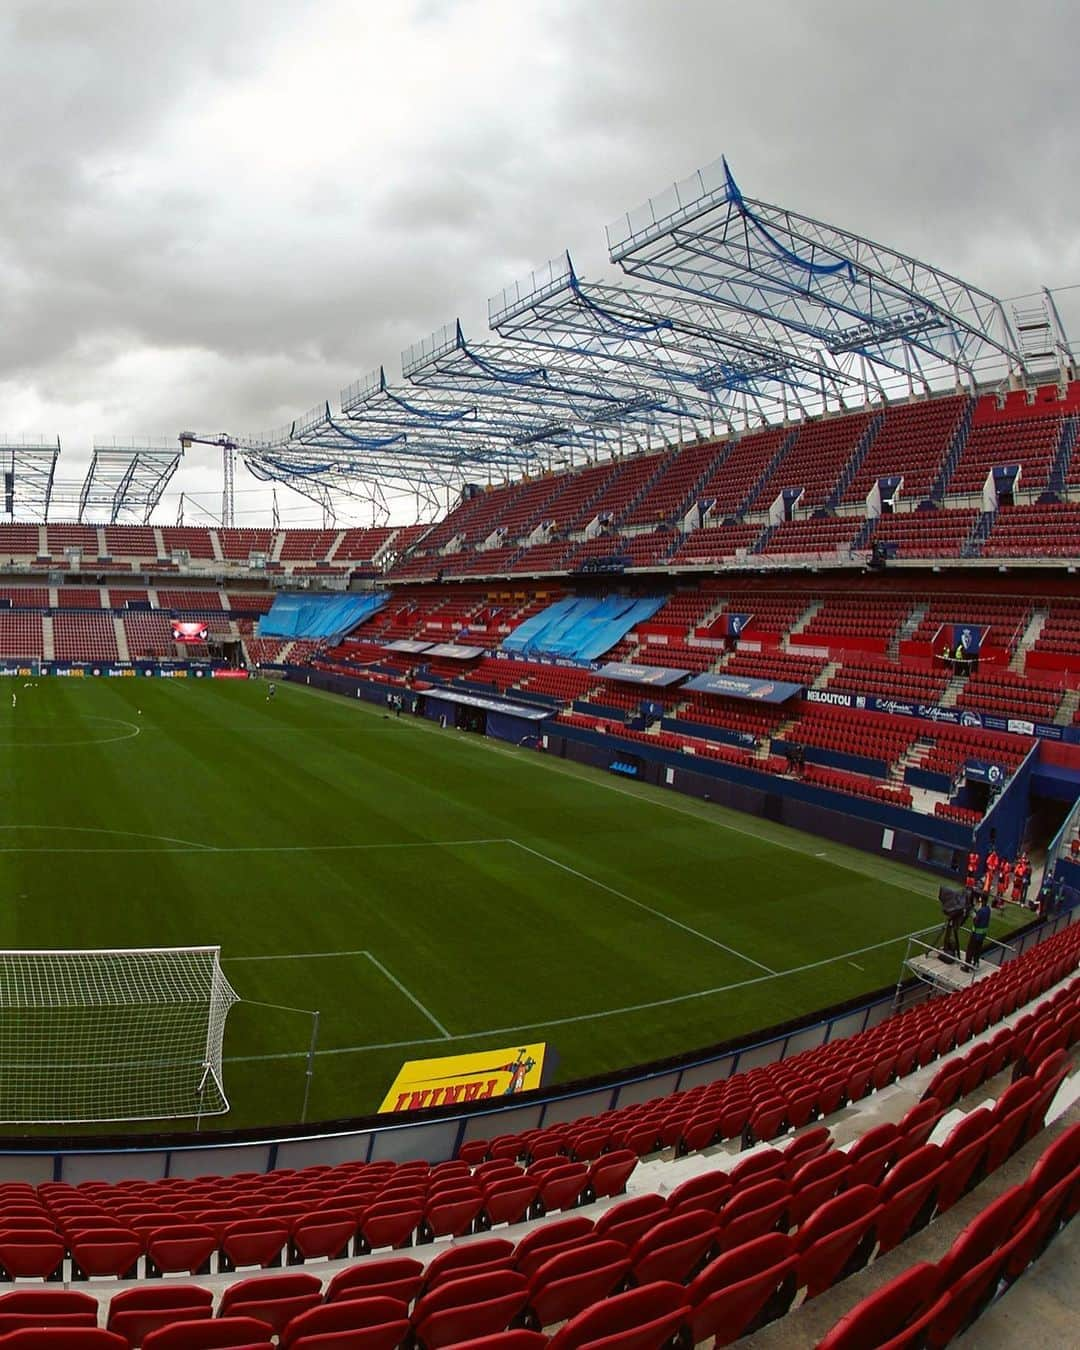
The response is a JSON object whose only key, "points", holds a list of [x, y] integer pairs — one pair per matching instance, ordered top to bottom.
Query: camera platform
{"points": [[942, 968], [946, 973]]}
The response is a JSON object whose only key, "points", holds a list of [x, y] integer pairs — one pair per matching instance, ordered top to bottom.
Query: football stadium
{"points": [[625, 896]]}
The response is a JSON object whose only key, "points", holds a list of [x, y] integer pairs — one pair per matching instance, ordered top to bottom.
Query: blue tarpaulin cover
{"points": [[319, 616], [581, 628]]}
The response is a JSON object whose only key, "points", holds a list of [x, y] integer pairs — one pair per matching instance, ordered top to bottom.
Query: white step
{"points": [[803, 621], [1030, 636], [121, 639], [48, 642], [953, 690]]}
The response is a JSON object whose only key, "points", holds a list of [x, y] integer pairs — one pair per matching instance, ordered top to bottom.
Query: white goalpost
{"points": [[112, 1035]]}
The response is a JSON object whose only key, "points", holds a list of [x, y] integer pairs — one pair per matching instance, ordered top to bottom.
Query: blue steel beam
{"points": [[847, 292]]}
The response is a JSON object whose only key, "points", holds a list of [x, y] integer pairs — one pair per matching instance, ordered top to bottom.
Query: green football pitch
{"points": [[426, 891]]}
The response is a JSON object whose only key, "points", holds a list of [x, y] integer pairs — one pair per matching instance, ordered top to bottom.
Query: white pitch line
{"points": [[64, 745], [554, 765], [557, 766], [99, 829], [253, 848], [344, 848], [658, 913], [295, 956], [588, 1017], [446, 1035]]}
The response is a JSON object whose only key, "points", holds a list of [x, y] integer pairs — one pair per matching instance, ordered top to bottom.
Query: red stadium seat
{"points": [[609, 1174], [709, 1190], [509, 1199], [627, 1220], [389, 1224], [986, 1232], [324, 1233], [837, 1239], [253, 1242], [675, 1248], [180, 1249], [102, 1251], [529, 1254], [27, 1255], [455, 1262], [397, 1277], [574, 1280], [743, 1289], [273, 1299], [476, 1305], [23, 1308], [135, 1313], [387, 1315], [891, 1316], [640, 1319], [218, 1333], [62, 1338], [517, 1339]]}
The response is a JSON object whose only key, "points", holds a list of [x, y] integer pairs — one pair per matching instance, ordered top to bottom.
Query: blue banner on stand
{"points": [[964, 639], [659, 677], [741, 686], [933, 712], [979, 771]]}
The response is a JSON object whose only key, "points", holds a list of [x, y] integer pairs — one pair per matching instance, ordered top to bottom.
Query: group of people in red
{"points": [[999, 876]]}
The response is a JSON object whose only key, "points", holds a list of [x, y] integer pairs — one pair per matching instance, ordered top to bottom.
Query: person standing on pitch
{"points": [[271, 690], [992, 861], [1004, 876], [980, 926]]}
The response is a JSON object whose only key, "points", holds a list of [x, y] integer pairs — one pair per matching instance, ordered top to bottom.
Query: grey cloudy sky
{"points": [[219, 212]]}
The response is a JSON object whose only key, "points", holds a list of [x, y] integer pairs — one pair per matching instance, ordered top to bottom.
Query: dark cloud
{"points": [[221, 212]]}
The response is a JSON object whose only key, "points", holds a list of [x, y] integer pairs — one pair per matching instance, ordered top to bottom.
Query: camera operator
{"points": [[980, 927]]}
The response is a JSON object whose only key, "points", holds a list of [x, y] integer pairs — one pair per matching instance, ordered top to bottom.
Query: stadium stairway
{"points": [[953, 453], [1059, 471], [972, 546], [802, 622], [1030, 636], [122, 651]]}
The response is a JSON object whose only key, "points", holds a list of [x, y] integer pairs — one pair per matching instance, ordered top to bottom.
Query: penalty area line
{"points": [[657, 913], [362, 952], [589, 1017], [446, 1035]]}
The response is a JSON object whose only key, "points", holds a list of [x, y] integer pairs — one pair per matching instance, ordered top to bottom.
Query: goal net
{"points": [[112, 1035]]}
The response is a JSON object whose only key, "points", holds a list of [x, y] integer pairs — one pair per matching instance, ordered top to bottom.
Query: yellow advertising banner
{"points": [[455, 1079]]}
